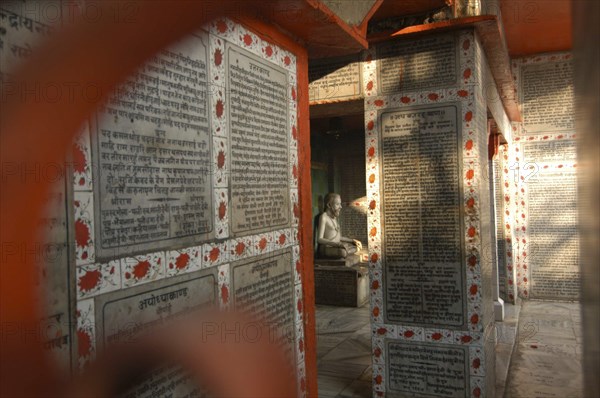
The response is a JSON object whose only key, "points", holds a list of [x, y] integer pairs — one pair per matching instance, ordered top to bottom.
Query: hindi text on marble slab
{"points": [[258, 128], [152, 156], [420, 163]]}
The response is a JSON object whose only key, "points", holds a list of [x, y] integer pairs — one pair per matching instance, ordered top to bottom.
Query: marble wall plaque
{"points": [[24, 25], [417, 64], [335, 79], [547, 97], [259, 143], [550, 151], [151, 152], [422, 216], [500, 236], [553, 249], [264, 286], [126, 315], [427, 369]]}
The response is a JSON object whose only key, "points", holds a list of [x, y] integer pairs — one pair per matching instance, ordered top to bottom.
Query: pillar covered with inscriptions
{"points": [[429, 217]]}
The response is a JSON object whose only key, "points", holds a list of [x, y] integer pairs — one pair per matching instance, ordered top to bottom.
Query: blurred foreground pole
{"points": [[586, 30], [34, 132]]}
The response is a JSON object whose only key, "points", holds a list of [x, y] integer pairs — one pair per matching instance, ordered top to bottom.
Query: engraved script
{"points": [[430, 62], [339, 78], [547, 97], [259, 143], [152, 154], [421, 202], [427, 369]]}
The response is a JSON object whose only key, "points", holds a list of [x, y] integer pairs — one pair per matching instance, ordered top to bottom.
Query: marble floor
{"points": [[343, 351], [546, 361]]}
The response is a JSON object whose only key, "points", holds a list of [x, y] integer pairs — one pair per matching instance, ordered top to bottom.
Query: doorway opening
{"points": [[341, 291]]}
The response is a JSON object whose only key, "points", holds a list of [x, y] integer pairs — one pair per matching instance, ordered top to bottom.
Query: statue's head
{"points": [[333, 203]]}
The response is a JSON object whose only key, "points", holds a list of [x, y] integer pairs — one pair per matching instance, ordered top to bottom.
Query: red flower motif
{"points": [[221, 26], [247, 39], [466, 44], [269, 51], [218, 57], [287, 61], [467, 73], [370, 85], [462, 93], [433, 96], [405, 100], [378, 102], [220, 108], [468, 116], [370, 125], [294, 133], [371, 152], [221, 160], [79, 162], [470, 174], [372, 178], [470, 203], [372, 205], [222, 210], [373, 231], [471, 232], [82, 233], [282, 239], [262, 244], [214, 254], [374, 258], [182, 261], [472, 261], [141, 269], [90, 280], [375, 285], [473, 289], [224, 294], [299, 306], [376, 312], [381, 331], [408, 334], [436, 336], [466, 339], [84, 343], [377, 352], [378, 379]]}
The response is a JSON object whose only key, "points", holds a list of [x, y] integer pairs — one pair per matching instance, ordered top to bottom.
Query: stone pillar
{"points": [[429, 217]]}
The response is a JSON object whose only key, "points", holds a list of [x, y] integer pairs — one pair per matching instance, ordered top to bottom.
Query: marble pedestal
{"points": [[341, 285]]}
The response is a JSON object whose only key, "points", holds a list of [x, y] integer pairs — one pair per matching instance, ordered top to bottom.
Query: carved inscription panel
{"points": [[418, 64], [337, 79], [547, 97], [259, 143], [151, 152], [553, 253], [424, 279], [264, 287], [125, 316], [427, 369]]}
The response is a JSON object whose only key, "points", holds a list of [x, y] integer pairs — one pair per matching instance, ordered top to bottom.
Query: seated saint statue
{"points": [[331, 243]]}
